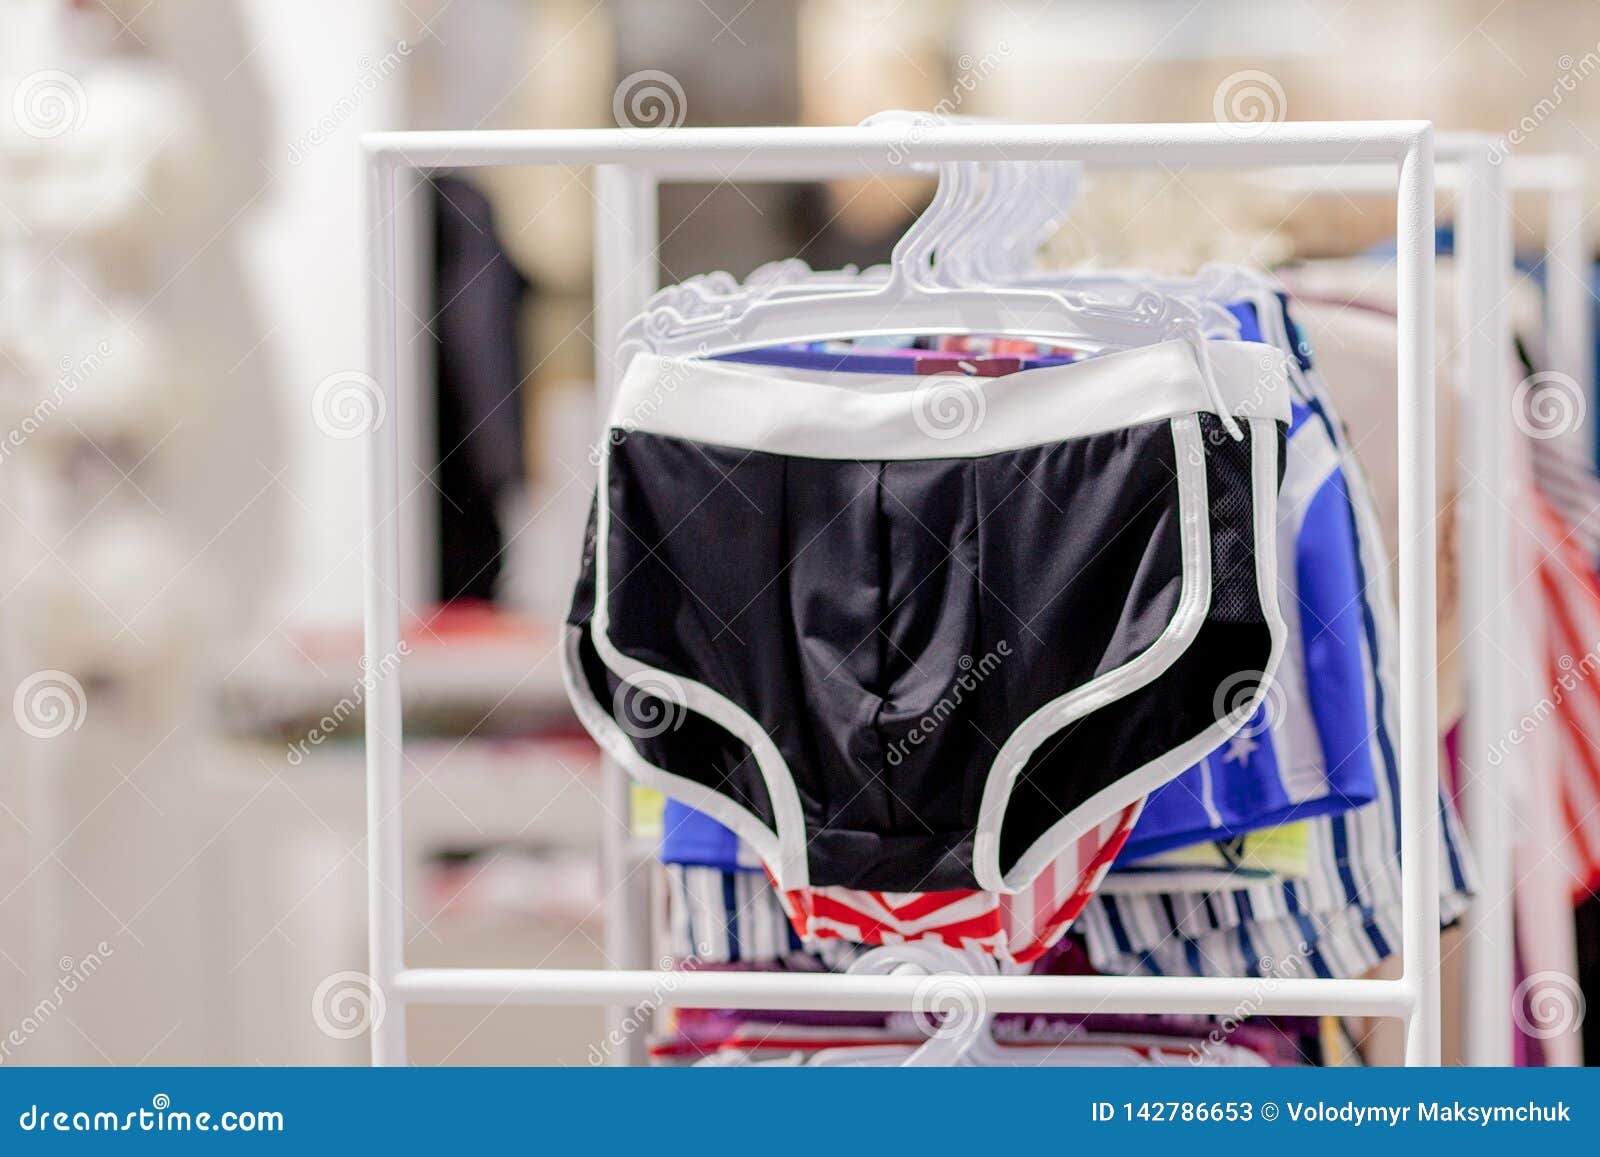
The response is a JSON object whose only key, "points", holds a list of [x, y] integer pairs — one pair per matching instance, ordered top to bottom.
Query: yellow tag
{"points": [[648, 806]]}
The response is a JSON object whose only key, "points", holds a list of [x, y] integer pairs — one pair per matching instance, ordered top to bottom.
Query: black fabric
{"points": [[478, 299], [890, 624], [1589, 974]]}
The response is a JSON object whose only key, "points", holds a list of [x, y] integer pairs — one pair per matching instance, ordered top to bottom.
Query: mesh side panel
{"points": [[1233, 560]]}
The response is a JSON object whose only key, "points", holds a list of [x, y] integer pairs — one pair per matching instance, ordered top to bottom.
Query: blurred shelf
{"points": [[465, 670], [457, 792], [515, 885]]}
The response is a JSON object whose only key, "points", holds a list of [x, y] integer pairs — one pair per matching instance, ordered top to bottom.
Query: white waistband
{"points": [[875, 416]]}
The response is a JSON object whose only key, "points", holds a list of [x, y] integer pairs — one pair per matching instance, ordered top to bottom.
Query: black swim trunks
{"points": [[919, 634]]}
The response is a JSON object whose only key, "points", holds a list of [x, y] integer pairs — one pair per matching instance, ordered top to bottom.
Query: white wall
{"points": [[329, 72]]}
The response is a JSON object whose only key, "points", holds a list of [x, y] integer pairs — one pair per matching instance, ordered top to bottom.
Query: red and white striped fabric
{"points": [[1568, 482], [1571, 597], [1019, 928]]}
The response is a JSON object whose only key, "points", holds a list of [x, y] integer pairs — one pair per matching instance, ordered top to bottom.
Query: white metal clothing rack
{"points": [[630, 163]]}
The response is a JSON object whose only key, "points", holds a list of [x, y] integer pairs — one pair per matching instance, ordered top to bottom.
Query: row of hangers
{"points": [[966, 266], [961, 1031]]}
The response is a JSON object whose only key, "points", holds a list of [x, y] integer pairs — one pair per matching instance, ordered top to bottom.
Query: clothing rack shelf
{"points": [[631, 162]]}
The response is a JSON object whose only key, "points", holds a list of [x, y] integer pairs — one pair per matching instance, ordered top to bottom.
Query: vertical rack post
{"points": [[626, 231], [1483, 253], [1569, 303], [381, 623], [1419, 733]]}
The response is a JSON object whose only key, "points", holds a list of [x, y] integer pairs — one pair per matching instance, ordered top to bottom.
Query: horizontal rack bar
{"points": [[753, 153], [1286, 996]]}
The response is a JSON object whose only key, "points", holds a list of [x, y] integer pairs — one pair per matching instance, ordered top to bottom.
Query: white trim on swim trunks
{"points": [[878, 417]]}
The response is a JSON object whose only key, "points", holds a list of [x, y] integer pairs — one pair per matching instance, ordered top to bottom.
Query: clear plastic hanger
{"points": [[1024, 207], [1027, 208], [1005, 216], [981, 227], [1215, 286], [711, 292], [910, 300], [907, 303], [1210, 313], [968, 1038]]}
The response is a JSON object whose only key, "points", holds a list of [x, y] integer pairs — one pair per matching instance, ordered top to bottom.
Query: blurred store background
{"points": [[182, 239]]}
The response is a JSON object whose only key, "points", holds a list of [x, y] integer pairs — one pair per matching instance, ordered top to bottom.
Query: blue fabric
{"points": [[1249, 324], [790, 357], [837, 361], [692, 837]]}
